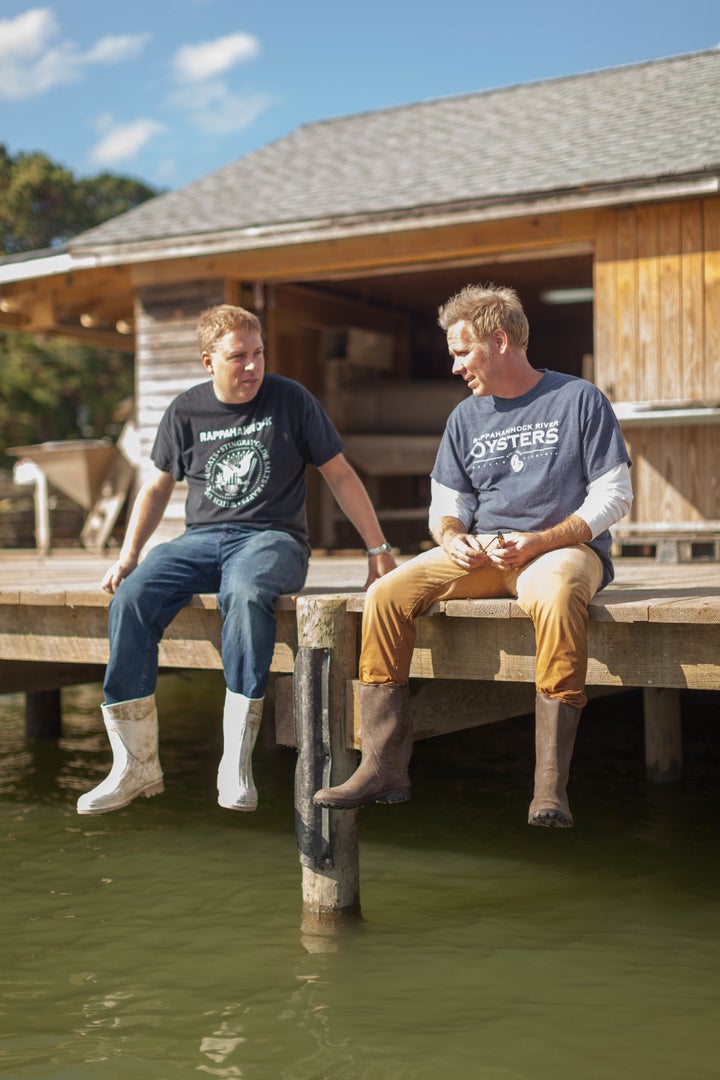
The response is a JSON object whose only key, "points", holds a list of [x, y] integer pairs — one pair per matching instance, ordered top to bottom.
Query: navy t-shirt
{"points": [[528, 460], [245, 464]]}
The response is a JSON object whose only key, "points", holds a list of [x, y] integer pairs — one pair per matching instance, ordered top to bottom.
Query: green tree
{"points": [[42, 204], [57, 388]]}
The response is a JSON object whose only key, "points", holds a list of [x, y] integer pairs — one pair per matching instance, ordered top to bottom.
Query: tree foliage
{"points": [[42, 204], [57, 388]]}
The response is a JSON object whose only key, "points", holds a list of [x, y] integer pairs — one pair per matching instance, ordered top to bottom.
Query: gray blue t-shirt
{"points": [[528, 460], [245, 464]]}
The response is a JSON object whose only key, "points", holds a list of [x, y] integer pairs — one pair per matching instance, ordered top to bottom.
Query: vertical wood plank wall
{"points": [[657, 289], [657, 340], [675, 473]]}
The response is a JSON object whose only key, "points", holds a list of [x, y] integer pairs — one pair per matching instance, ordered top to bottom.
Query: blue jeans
{"points": [[247, 568]]}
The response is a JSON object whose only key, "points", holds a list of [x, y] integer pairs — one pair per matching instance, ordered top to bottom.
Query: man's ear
{"points": [[501, 339], [207, 363]]}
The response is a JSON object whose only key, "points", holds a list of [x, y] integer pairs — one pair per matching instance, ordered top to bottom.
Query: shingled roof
{"points": [[648, 122]]}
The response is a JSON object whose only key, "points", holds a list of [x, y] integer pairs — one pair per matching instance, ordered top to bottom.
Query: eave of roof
{"points": [[76, 257]]}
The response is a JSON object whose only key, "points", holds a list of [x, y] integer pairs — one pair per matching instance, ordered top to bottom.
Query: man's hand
{"points": [[465, 550], [515, 550], [379, 566], [117, 573]]}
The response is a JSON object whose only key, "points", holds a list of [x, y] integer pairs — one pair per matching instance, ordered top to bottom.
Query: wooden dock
{"points": [[656, 627]]}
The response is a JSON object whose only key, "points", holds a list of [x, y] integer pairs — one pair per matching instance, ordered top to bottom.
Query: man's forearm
{"points": [[354, 501], [147, 513], [445, 528], [573, 530]]}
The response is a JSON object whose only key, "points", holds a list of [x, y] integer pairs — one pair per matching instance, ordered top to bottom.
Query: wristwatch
{"points": [[384, 549]]}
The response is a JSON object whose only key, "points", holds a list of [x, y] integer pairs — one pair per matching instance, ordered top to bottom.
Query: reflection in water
{"points": [[167, 939]]}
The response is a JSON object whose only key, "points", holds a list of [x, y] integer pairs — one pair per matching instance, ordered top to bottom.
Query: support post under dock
{"points": [[43, 714], [663, 734], [327, 839]]}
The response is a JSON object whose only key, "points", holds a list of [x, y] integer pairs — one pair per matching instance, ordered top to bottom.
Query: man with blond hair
{"points": [[242, 440], [531, 472]]}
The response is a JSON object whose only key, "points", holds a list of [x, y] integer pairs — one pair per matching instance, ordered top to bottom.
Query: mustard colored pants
{"points": [[554, 590]]}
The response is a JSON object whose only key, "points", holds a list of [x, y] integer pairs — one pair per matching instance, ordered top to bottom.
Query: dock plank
{"points": [[52, 610]]}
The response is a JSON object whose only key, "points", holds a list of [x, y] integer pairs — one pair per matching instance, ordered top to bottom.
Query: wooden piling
{"points": [[43, 714], [663, 734], [327, 839]]}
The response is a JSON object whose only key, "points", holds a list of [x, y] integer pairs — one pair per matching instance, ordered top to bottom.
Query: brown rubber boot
{"points": [[555, 728], [382, 776]]}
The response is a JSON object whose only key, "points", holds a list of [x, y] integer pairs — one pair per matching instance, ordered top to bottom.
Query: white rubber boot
{"points": [[241, 723], [132, 728]]}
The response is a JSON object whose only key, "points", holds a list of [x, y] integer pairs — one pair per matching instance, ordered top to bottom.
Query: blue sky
{"points": [[168, 92]]}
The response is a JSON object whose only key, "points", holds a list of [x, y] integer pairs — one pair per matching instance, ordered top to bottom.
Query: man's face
{"points": [[479, 362], [237, 366]]}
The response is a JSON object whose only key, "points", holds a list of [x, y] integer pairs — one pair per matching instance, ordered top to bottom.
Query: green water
{"points": [[166, 940]]}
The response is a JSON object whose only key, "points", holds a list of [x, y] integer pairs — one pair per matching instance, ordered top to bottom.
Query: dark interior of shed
{"points": [[561, 334], [561, 338]]}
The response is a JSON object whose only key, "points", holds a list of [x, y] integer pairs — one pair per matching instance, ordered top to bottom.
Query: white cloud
{"points": [[28, 34], [111, 50], [32, 60], [195, 63], [215, 110], [123, 141]]}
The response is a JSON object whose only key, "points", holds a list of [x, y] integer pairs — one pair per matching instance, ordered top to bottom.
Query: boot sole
{"points": [[148, 792], [383, 798], [560, 822]]}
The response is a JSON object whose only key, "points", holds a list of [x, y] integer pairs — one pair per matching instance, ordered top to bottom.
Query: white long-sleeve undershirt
{"points": [[607, 500]]}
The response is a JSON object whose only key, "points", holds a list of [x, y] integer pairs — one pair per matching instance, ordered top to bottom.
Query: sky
{"points": [[167, 91]]}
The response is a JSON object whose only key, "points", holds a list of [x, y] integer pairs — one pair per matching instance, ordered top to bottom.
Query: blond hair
{"points": [[487, 308], [216, 322]]}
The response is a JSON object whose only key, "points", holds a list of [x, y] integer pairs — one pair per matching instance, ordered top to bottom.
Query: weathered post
{"points": [[43, 714], [663, 734], [327, 840]]}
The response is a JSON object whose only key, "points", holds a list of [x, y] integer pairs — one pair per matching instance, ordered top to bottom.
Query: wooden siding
{"points": [[657, 287], [657, 340], [167, 359], [675, 474]]}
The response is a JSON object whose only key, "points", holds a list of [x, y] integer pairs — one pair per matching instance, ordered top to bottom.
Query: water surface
{"points": [[166, 940]]}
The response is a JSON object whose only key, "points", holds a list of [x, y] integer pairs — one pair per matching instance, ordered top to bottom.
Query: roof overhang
{"points": [[340, 228], [88, 293]]}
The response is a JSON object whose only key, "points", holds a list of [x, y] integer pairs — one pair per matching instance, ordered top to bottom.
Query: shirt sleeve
{"points": [[318, 436], [602, 444], [166, 453], [449, 468], [608, 499], [445, 502]]}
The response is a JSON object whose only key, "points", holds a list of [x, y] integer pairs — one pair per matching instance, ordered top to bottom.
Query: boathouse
{"points": [[597, 196]]}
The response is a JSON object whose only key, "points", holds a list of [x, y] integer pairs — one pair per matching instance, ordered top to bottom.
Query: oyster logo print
{"points": [[515, 446], [237, 473]]}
